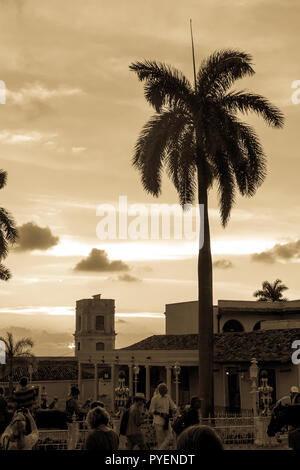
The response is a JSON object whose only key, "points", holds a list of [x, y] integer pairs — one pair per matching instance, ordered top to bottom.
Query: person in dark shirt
{"points": [[72, 405], [3, 411], [192, 415], [134, 434], [101, 436]]}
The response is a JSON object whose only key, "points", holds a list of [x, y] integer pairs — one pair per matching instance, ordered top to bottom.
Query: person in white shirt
{"points": [[160, 407], [14, 437]]}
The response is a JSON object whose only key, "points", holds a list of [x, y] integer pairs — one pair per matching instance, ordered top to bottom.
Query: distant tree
{"points": [[8, 232], [271, 292], [16, 350]]}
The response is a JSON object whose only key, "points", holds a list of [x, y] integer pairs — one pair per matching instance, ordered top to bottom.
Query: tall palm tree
{"points": [[197, 137], [8, 232], [271, 292], [16, 350]]}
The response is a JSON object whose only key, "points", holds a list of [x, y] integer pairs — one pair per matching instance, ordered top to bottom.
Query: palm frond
{"points": [[217, 73], [165, 85], [246, 101], [152, 145], [180, 163], [3, 178], [226, 186], [8, 225], [3, 244], [5, 273], [259, 293], [22, 344]]}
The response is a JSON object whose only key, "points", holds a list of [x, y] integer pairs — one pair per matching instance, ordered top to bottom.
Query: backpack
{"points": [[124, 423], [179, 424]]}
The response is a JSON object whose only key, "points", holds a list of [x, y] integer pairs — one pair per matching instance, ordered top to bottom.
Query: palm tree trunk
{"points": [[205, 306]]}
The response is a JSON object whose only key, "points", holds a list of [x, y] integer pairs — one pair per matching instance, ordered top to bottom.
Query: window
{"points": [[100, 322], [232, 325], [257, 326], [78, 346], [99, 346]]}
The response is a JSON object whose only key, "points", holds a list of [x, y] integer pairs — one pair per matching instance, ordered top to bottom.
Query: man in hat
{"points": [[289, 399], [134, 434]]}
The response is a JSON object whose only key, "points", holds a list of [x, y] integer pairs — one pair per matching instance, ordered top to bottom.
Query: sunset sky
{"points": [[72, 115]]}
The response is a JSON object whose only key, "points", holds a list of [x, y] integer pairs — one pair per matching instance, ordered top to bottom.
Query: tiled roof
{"points": [[264, 345], [49, 369]]}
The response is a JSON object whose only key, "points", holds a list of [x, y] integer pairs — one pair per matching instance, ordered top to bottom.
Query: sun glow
{"points": [[159, 250]]}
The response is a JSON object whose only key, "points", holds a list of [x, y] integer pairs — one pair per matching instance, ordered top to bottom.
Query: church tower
{"points": [[95, 327]]}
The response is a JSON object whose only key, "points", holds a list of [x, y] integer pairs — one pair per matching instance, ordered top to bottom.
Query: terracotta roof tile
{"points": [[264, 345]]}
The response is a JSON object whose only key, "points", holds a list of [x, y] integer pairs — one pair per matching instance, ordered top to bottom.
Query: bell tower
{"points": [[95, 327]]}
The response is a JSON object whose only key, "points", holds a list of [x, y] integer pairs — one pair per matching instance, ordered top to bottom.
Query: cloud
{"points": [[37, 91], [21, 137], [78, 149], [33, 237], [279, 252], [98, 260], [222, 264], [128, 278]]}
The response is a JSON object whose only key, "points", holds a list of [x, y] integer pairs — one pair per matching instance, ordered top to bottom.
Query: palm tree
{"points": [[197, 137], [8, 232], [271, 292], [15, 350]]}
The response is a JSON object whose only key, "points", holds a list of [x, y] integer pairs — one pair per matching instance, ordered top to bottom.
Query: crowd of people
{"points": [[18, 429]]}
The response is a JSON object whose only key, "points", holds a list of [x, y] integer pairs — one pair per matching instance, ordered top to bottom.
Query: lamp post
{"points": [[177, 370], [136, 371], [30, 372], [253, 376], [265, 394]]}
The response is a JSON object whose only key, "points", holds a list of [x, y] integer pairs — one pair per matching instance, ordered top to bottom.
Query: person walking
{"points": [[72, 405], [161, 407], [192, 414], [134, 434], [101, 436]]}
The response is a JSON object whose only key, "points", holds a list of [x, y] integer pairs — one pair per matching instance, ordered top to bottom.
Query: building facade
{"points": [[243, 330]]}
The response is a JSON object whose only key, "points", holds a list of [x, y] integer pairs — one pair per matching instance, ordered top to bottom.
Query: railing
{"points": [[235, 431], [238, 432], [53, 440]]}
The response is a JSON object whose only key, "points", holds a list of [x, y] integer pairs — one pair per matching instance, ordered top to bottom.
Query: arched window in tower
{"points": [[100, 322], [232, 325], [257, 326], [99, 346]]}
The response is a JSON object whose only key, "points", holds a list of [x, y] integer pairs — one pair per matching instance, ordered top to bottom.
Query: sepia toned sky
{"points": [[72, 115]]}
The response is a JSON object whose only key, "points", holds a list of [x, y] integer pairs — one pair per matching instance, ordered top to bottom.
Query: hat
{"points": [[294, 389], [139, 396]]}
